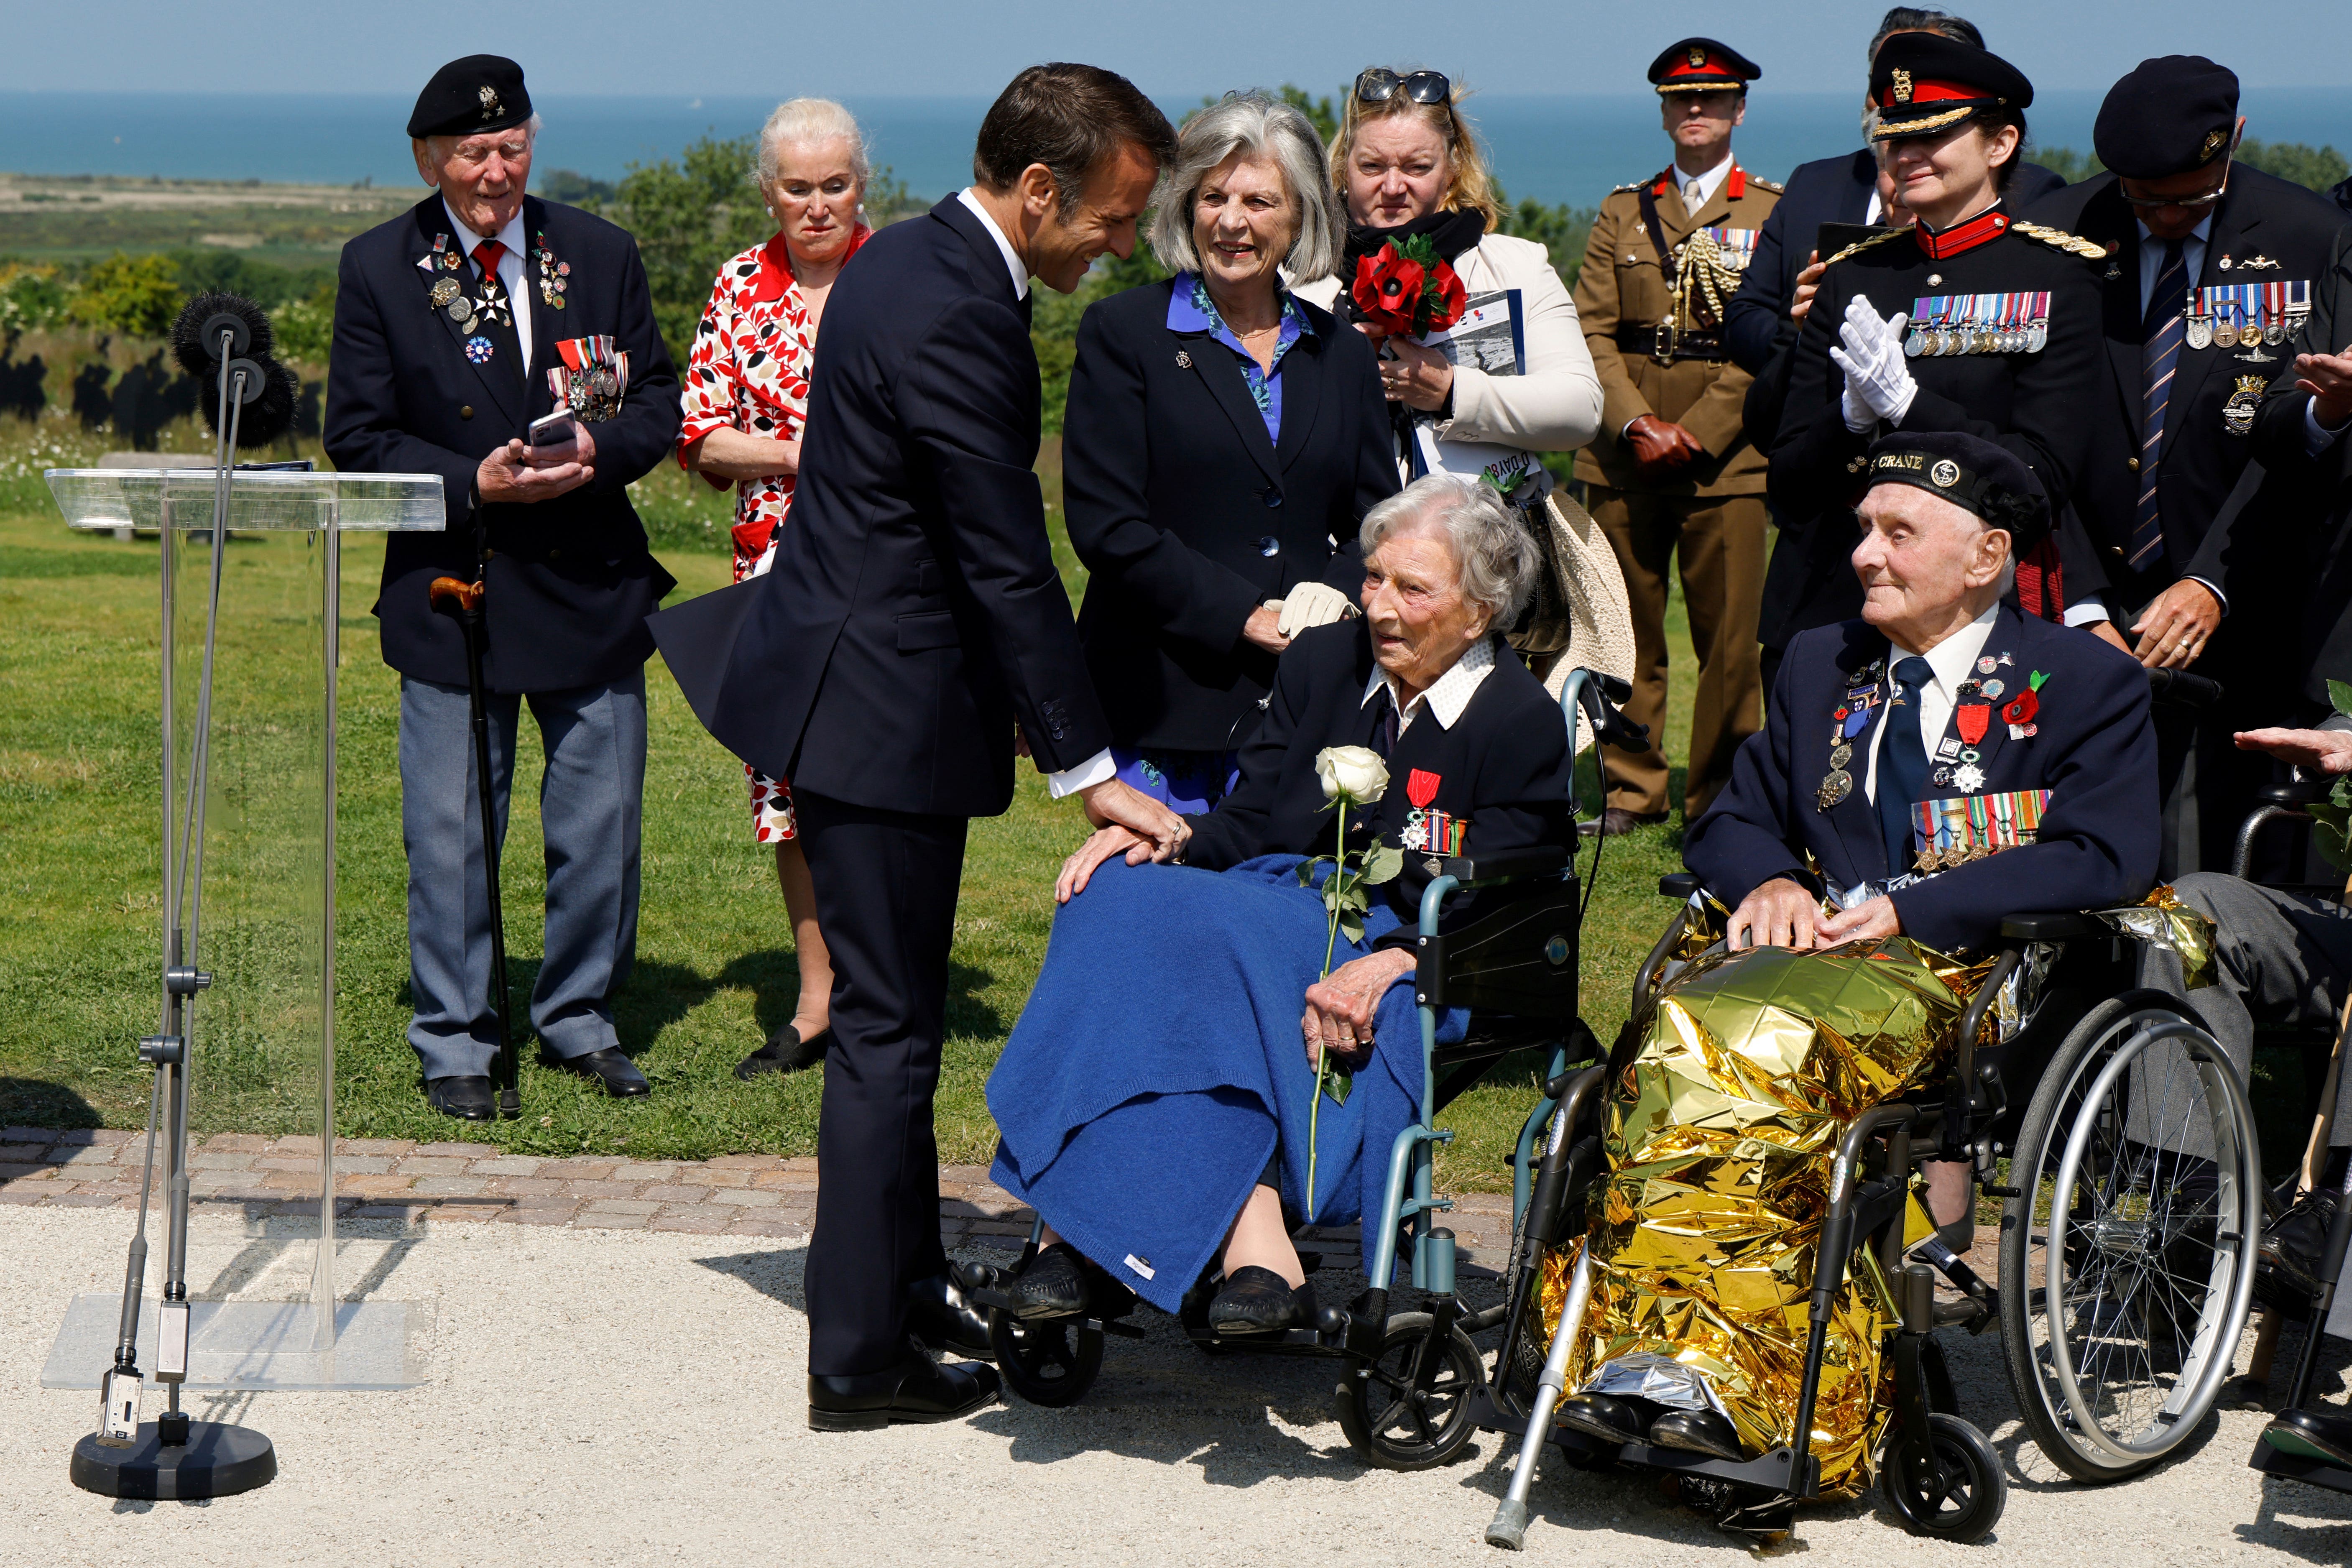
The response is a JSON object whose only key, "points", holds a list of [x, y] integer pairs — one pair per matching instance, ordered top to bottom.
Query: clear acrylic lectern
{"points": [[260, 1050]]}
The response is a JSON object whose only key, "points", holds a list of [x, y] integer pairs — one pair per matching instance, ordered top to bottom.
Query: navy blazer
{"points": [[1827, 189], [2289, 230], [1190, 517], [570, 580], [913, 613], [2094, 751], [1502, 767]]}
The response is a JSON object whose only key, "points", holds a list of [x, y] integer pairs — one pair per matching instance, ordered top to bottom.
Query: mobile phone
{"points": [[561, 428]]}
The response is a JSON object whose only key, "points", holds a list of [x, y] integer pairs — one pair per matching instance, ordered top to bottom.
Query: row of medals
{"points": [[2204, 332], [1936, 341], [1838, 782]]}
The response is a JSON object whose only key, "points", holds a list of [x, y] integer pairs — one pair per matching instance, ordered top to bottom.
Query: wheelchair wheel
{"points": [[2139, 1169], [1051, 1362], [1411, 1409], [1961, 1496]]}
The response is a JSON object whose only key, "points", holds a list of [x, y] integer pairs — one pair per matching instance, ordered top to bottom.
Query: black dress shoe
{"points": [[784, 1052], [608, 1067], [466, 1099], [2291, 1248], [1053, 1285], [1258, 1300], [942, 1317], [916, 1389], [1600, 1417], [1698, 1431], [2312, 1435]]}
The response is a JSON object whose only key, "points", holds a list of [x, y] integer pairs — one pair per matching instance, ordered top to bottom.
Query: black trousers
{"points": [[886, 897]]}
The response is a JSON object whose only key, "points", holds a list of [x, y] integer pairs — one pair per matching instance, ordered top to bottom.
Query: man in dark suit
{"points": [[2210, 258], [457, 324], [2300, 435], [912, 618], [2024, 747]]}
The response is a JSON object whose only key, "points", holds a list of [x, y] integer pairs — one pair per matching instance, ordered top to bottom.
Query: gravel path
{"points": [[602, 1397]]}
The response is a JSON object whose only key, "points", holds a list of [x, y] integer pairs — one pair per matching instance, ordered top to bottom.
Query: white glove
{"points": [[1878, 383], [1312, 605]]}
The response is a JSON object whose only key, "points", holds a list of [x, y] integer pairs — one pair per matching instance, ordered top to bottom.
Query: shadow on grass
{"points": [[37, 1102]]}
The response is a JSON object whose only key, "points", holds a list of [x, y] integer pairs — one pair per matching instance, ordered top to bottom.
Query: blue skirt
{"points": [[1159, 1065]]}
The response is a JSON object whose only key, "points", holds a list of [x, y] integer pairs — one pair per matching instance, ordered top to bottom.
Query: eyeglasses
{"points": [[1379, 84], [2191, 203]]}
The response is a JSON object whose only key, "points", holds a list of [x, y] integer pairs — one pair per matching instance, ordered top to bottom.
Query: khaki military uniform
{"points": [[1658, 349]]}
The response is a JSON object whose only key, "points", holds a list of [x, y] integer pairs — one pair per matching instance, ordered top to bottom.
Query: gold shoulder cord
{"points": [[2059, 240], [1858, 246], [1705, 280]]}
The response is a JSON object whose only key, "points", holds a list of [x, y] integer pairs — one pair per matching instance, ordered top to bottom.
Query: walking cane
{"points": [[462, 602]]}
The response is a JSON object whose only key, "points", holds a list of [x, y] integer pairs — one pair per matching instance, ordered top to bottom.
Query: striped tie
{"points": [[2159, 355]]}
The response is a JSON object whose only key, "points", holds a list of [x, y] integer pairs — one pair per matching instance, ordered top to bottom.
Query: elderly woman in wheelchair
{"points": [[1841, 1014], [1158, 1099]]}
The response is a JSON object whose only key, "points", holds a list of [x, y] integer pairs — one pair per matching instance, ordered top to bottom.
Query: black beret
{"points": [[1702, 64], [1925, 82], [468, 97], [2170, 115], [1971, 473]]}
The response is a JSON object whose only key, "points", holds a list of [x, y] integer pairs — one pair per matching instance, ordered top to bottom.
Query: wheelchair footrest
{"points": [[2304, 1467], [1770, 1472]]}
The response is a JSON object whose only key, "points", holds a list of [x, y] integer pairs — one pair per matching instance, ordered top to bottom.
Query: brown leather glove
{"points": [[1661, 447]]}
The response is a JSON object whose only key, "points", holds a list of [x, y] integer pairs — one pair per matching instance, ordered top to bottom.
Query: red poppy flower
{"points": [[1388, 289], [1452, 299], [2022, 709]]}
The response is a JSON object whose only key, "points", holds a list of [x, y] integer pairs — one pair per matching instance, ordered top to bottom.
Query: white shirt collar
{"points": [[1708, 182], [510, 236], [1013, 262], [510, 270], [1952, 658], [1448, 695]]}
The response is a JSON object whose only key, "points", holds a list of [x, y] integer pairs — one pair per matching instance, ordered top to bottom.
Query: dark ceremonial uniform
{"points": [[2267, 244], [1651, 296], [2005, 318], [428, 377], [2324, 536], [2090, 841]]}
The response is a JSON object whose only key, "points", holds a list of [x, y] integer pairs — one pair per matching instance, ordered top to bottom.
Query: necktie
{"points": [[1692, 196], [495, 320], [2159, 355], [1385, 728], [1901, 762]]}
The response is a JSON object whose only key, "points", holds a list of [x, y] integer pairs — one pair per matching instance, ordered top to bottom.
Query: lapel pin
{"points": [[1183, 359]]}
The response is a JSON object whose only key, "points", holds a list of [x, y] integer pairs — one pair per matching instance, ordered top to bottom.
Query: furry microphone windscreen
{"points": [[199, 351], [268, 416]]}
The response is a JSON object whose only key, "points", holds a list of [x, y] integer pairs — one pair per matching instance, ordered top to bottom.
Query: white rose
{"points": [[1355, 771]]}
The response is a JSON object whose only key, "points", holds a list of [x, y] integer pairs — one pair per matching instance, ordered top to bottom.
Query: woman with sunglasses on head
{"points": [[1408, 168], [1971, 319]]}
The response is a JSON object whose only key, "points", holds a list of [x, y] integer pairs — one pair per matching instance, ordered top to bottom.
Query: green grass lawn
{"points": [[79, 871]]}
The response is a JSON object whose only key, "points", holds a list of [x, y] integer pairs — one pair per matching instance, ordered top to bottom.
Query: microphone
{"points": [[270, 389]]}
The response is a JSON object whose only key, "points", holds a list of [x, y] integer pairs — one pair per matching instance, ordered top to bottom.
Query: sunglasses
{"points": [[1379, 84], [2189, 203]]}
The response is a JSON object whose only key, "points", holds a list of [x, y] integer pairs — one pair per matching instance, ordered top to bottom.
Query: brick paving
{"points": [[426, 1184]]}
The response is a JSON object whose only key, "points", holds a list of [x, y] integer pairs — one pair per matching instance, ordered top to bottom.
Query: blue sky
{"points": [[960, 47]]}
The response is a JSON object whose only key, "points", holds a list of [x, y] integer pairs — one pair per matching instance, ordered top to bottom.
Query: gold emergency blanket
{"points": [[1720, 1133]]}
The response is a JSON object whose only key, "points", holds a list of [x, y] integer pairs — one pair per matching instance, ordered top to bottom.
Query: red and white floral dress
{"points": [[750, 371]]}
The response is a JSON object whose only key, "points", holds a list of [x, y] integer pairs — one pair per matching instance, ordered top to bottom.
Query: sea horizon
{"points": [[1569, 148]]}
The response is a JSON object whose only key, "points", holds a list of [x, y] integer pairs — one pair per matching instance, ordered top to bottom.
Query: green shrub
{"points": [[136, 295]]}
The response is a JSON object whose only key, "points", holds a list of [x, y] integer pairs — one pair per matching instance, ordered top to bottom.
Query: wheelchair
{"points": [[2122, 1144], [1406, 1390]]}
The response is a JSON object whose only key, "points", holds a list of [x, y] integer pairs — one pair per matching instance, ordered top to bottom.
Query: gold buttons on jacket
{"points": [[465, 410], [2135, 464]]}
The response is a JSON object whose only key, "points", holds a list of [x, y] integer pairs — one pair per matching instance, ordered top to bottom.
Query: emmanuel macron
{"points": [[458, 324]]}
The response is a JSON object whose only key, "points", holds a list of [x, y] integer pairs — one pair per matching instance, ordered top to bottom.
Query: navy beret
{"points": [[1702, 64], [1925, 82], [468, 97], [2170, 115], [1971, 473]]}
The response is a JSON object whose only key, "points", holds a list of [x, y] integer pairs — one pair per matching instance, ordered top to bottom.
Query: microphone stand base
{"points": [[215, 1460]]}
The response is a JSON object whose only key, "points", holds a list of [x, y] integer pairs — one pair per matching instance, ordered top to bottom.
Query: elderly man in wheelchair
{"points": [[1830, 1034]]}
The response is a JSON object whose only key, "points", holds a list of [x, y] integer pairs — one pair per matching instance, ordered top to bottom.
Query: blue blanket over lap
{"points": [[1160, 1056]]}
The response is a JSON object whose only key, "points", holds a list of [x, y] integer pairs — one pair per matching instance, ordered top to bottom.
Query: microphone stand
{"points": [[175, 1456]]}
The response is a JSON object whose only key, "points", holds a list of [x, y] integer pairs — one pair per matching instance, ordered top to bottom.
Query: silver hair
{"points": [[808, 122], [1256, 126], [437, 147], [1494, 557]]}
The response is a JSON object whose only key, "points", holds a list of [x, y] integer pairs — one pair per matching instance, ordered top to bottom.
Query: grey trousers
{"points": [[591, 809], [2276, 956]]}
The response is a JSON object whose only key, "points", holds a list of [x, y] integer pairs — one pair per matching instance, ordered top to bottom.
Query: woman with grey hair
{"points": [[746, 402], [1223, 439], [1161, 1129]]}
